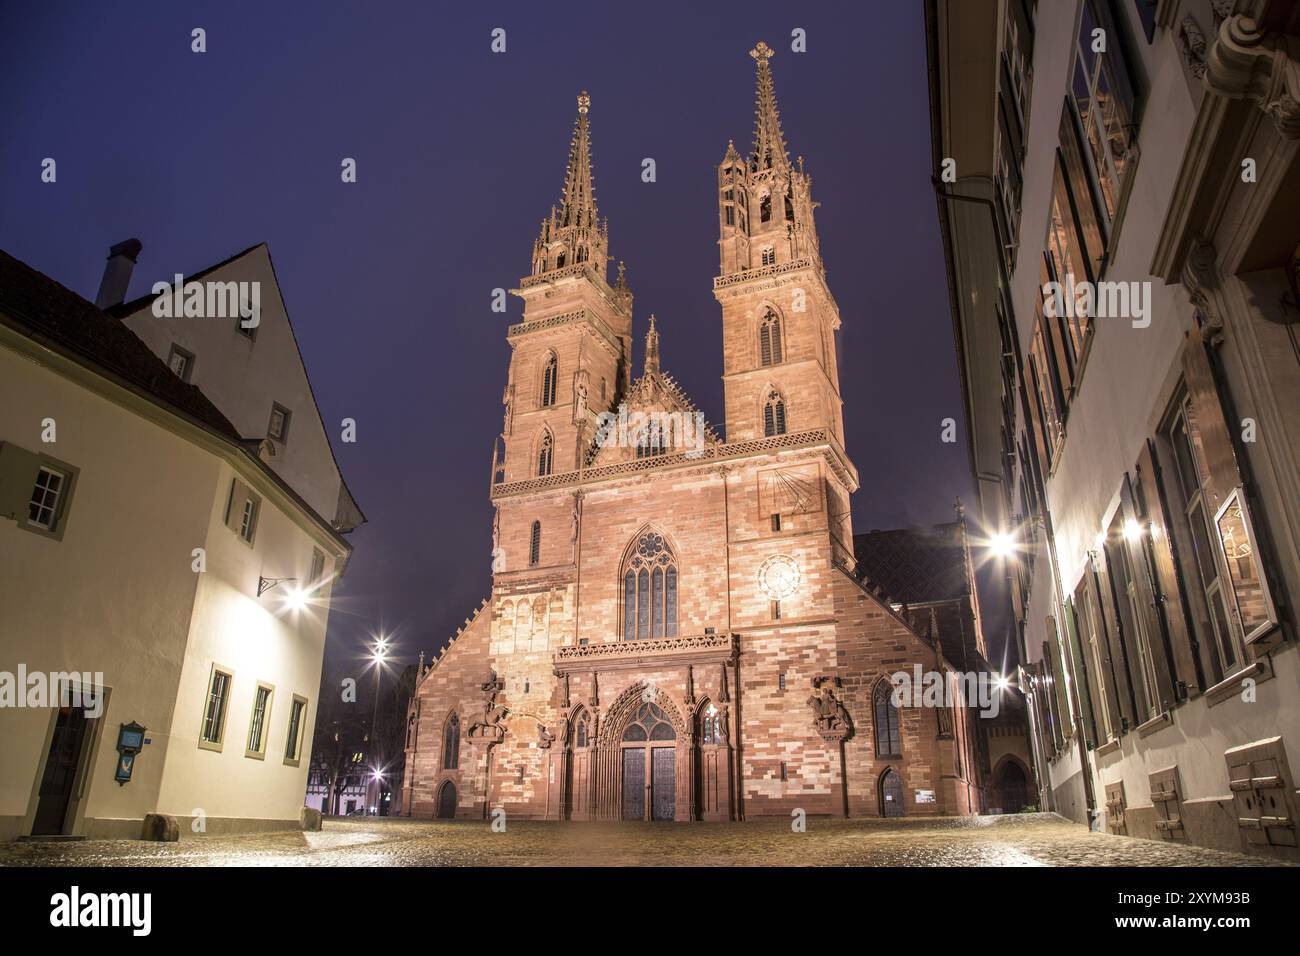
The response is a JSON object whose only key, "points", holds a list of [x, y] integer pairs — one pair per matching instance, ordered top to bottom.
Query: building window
{"points": [[1102, 99], [765, 208], [769, 256], [769, 339], [181, 362], [549, 376], [774, 414], [278, 427], [545, 455], [44, 508], [242, 511], [776, 522], [535, 544], [317, 575], [650, 590], [1132, 609], [775, 610], [780, 681], [214, 711], [257, 722], [711, 725], [582, 731], [888, 739], [293, 740], [451, 744], [785, 774]]}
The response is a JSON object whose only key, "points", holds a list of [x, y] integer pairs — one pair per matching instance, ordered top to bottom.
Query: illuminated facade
{"points": [[173, 555], [676, 628]]}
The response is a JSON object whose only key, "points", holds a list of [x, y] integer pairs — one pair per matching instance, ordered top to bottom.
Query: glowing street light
{"points": [[1003, 544]]}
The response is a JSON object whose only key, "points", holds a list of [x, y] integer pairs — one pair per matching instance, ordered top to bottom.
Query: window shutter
{"points": [[776, 339], [765, 343], [769, 422], [1216, 445], [18, 469], [235, 506], [1153, 507], [1143, 581], [1099, 623], [1115, 638], [1083, 679], [1061, 706]]}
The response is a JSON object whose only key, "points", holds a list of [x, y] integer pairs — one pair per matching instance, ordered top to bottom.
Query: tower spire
{"points": [[769, 140], [578, 202], [574, 233], [652, 348]]}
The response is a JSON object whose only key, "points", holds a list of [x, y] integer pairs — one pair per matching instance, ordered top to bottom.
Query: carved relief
{"points": [[1247, 63], [830, 718], [491, 728]]}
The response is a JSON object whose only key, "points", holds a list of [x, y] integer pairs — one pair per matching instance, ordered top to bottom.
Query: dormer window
{"points": [[278, 427]]}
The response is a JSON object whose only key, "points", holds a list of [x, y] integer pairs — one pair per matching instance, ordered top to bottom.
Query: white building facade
{"points": [[1141, 445], [143, 534]]}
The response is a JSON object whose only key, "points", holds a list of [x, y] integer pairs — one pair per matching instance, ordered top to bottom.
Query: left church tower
{"points": [[570, 357]]}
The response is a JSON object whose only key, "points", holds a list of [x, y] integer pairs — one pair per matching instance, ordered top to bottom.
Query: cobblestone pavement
{"points": [[1025, 840]]}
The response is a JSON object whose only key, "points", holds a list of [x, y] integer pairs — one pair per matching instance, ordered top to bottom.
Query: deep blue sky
{"points": [[461, 152]]}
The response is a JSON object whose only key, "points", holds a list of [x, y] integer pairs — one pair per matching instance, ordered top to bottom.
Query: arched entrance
{"points": [[648, 762], [1011, 786], [891, 794], [447, 801]]}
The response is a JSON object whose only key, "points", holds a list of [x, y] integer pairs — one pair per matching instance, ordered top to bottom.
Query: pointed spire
{"points": [[769, 140], [578, 203], [574, 234], [652, 348]]}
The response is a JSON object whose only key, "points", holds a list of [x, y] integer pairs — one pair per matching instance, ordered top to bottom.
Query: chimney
{"points": [[117, 274]]}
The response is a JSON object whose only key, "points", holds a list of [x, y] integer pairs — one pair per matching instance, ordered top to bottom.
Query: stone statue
{"points": [[493, 713], [830, 717], [544, 737]]}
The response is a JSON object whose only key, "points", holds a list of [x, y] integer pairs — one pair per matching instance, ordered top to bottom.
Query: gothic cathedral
{"points": [[677, 629]]}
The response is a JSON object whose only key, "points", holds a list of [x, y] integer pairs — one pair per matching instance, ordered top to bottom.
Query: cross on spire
{"points": [[769, 140]]}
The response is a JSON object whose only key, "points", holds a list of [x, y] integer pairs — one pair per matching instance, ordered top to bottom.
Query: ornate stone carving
{"points": [[1191, 40], [1247, 63], [1200, 279], [830, 718], [491, 728], [544, 737]]}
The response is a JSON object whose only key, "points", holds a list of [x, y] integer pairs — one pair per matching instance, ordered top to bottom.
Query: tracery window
{"points": [[769, 256], [769, 339], [549, 376], [774, 414], [545, 455], [650, 590], [649, 723], [582, 730], [888, 740], [451, 744]]}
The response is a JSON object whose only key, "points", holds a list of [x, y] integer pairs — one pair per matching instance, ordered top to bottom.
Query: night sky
{"points": [[460, 154]]}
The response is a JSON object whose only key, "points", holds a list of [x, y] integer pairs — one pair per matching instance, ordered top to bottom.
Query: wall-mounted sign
{"points": [[130, 741], [925, 796]]}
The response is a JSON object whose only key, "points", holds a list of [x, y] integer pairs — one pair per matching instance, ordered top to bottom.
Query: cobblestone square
{"points": [[1023, 840]]}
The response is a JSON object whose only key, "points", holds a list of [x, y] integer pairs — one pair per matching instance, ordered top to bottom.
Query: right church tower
{"points": [[780, 322]]}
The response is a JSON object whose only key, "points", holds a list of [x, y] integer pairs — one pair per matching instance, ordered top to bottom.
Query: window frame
{"points": [[187, 355], [286, 416], [205, 742], [292, 746], [259, 752]]}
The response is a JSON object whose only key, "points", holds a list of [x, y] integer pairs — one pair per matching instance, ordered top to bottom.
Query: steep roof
{"points": [[46, 311], [914, 565]]}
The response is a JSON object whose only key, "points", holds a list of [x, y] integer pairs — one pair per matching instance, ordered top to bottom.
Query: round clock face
{"points": [[778, 576]]}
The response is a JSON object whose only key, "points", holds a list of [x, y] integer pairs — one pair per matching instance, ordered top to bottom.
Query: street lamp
{"points": [[378, 653]]}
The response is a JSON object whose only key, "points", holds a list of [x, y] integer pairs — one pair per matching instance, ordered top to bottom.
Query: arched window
{"points": [[769, 256], [559, 261], [769, 339], [549, 376], [774, 414], [545, 455], [535, 544], [650, 590], [649, 723], [710, 725], [410, 730], [582, 730], [888, 741], [451, 744]]}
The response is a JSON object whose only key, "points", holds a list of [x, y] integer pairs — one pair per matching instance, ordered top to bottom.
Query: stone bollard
{"points": [[310, 819], [160, 828]]}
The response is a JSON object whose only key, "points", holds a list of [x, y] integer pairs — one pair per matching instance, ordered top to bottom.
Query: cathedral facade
{"points": [[676, 628]]}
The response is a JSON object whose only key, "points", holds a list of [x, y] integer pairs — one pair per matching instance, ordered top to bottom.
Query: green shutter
{"points": [[18, 470]]}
